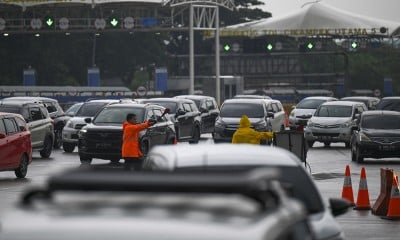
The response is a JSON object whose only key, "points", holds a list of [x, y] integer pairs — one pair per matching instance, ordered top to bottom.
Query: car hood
{"points": [[303, 112], [78, 120], [228, 120], [329, 120], [108, 127], [382, 132], [325, 226]]}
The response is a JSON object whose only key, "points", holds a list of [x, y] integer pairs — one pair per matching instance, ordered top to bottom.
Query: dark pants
{"points": [[133, 162]]}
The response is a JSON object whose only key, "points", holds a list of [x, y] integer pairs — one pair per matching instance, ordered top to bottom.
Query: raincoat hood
{"points": [[244, 122]]}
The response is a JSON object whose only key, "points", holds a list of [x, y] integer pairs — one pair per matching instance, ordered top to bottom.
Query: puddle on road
{"points": [[325, 176]]}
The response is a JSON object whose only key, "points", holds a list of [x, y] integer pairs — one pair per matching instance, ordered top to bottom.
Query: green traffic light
{"points": [[49, 21], [114, 22], [354, 45], [310, 46], [227, 47], [269, 47]]}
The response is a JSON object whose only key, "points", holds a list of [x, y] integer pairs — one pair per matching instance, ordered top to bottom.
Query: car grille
{"points": [[79, 126], [326, 126], [326, 134], [386, 140], [104, 142]]}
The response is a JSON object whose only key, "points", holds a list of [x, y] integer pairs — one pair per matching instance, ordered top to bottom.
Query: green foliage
{"points": [[141, 77]]}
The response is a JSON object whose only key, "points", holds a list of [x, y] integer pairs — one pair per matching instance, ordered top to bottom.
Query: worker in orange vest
{"points": [[245, 134], [130, 141]]}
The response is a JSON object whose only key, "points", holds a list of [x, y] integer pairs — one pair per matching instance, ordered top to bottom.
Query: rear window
{"points": [[310, 103], [389, 104], [171, 105], [10, 109], [90, 109], [236, 110], [117, 115], [381, 122]]}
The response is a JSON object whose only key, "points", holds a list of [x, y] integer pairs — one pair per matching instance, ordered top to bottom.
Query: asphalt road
{"points": [[327, 166]]}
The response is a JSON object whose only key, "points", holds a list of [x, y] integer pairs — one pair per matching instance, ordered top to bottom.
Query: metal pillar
{"points": [[191, 51]]}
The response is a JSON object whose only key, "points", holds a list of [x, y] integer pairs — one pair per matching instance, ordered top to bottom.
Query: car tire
{"points": [[196, 135], [57, 139], [171, 141], [310, 143], [327, 144], [347, 144], [68, 147], [47, 148], [144, 148], [359, 158], [85, 159], [22, 169]]}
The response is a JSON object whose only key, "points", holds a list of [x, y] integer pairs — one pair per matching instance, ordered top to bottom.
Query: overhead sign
{"points": [[36, 23], [63, 23], [99, 23]]}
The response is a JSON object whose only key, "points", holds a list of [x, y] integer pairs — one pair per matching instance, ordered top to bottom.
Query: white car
{"points": [[303, 111], [278, 119], [334, 121], [226, 157]]}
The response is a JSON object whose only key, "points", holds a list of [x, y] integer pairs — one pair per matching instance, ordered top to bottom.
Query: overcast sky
{"points": [[384, 9]]}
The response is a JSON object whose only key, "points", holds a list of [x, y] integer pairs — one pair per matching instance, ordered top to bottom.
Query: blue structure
{"points": [[29, 77], [93, 77], [161, 79]]}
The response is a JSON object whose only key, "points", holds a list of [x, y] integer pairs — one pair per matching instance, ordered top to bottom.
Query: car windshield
{"points": [[310, 103], [389, 104], [171, 105], [90, 109], [72, 110], [237, 110], [334, 111], [117, 115], [381, 122], [294, 180]]}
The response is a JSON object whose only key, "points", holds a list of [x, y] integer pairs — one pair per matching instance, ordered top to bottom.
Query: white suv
{"points": [[333, 122], [74, 125]]}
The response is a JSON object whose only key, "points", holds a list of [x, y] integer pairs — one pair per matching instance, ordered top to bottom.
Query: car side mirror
{"points": [[167, 110], [203, 110], [181, 112], [270, 114], [88, 120], [22, 128], [2, 135], [339, 206]]}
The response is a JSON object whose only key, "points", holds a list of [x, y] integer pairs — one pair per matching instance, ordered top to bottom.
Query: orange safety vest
{"points": [[130, 139]]}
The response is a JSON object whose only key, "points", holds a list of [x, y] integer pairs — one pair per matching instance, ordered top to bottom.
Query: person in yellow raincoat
{"points": [[245, 134]]}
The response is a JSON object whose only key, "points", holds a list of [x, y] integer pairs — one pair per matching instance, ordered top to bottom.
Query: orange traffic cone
{"points": [[286, 120], [347, 192], [363, 195], [394, 202]]}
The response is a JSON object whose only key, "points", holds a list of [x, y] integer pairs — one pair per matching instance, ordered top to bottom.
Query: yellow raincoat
{"points": [[245, 134]]}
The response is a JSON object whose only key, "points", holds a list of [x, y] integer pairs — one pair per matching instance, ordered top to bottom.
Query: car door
{"points": [[279, 116], [208, 117], [185, 119], [274, 121], [36, 125], [157, 132], [13, 142], [4, 161]]}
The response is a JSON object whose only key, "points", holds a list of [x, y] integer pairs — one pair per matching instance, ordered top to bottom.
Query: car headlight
{"points": [[292, 113], [310, 123], [69, 124], [219, 124], [345, 125], [260, 126], [82, 133], [363, 137]]}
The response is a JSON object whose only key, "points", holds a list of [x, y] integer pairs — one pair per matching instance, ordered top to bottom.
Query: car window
{"points": [[309, 103], [389, 104], [171, 105], [210, 105], [50, 107], [186, 107], [269, 107], [275, 107], [10, 109], [90, 109], [236, 110], [334, 111], [35, 113], [158, 113], [117, 115], [381, 122], [20, 123], [11, 126], [2, 127]]}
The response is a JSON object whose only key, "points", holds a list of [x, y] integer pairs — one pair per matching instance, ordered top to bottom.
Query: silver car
{"points": [[303, 111], [333, 122], [235, 157]]}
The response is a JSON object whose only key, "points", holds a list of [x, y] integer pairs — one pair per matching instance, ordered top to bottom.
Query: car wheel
{"points": [[196, 135], [57, 139], [310, 143], [327, 144], [68, 147], [47, 148], [144, 148], [359, 158], [85, 159], [22, 169]]}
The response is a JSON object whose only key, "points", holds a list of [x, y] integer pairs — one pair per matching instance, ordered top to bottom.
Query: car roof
{"points": [[251, 96], [197, 97], [360, 97], [392, 97], [27, 98], [320, 98], [103, 100], [169, 100], [245, 100], [18, 103], [342, 103], [133, 104], [380, 112], [10, 114], [215, 154]]}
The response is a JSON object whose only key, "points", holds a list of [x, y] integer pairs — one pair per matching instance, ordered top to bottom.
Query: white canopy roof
{"points": [[30, 3], [317, 19]]}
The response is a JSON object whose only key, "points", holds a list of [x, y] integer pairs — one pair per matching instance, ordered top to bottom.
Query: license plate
{"points": [[324, 138], [103, 145], [387, 147]]}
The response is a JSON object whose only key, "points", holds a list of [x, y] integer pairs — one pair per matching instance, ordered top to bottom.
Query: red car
{"points": [[15, 144]]}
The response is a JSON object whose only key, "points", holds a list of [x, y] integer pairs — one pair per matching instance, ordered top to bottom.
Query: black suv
{"points": [[209, 111], [56, 113], [184, 114], [38, 122], [102, 136]]}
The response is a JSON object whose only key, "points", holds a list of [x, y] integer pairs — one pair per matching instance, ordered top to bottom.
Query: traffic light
{"points": [[114, 21], [49, 22], [354, 44], [227, 47], [269, 47]]}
